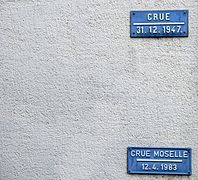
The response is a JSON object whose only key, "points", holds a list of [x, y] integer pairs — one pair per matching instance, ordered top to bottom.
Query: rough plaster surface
{"points": [[76, 90]]}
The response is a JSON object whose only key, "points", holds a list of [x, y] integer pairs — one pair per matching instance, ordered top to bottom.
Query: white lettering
{"points": [[149, 16], [155, 16], [158, 16], [161, 16], [167, 16], [132, 153], [138, 153], [148, 153], [156, 153], [161, 153], [171, 153], [166, 154], [180, 154], [185, 154], [176, 155]]}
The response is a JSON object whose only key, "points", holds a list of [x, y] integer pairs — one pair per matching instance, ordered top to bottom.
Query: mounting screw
{"points": [[134, 14]]}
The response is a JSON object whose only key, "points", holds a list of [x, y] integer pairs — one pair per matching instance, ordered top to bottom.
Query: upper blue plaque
{"points": [[170, 23], [143, 160]]}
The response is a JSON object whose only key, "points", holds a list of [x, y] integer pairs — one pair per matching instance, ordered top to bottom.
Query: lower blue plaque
{"points": [[151, 160]]}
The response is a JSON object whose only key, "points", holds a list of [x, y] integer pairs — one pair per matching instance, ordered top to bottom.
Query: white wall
{"points": [[76, 90]]}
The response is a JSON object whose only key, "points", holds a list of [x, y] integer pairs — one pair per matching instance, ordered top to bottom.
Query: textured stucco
{"points": [[76, 90]]}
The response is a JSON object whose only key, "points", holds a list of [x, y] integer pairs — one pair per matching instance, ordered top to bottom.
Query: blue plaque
{"points": [[170, 23], [146, 160]]}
